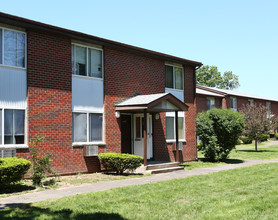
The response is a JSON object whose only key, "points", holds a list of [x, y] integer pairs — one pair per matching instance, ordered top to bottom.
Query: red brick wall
{"points": [[49, 103]]}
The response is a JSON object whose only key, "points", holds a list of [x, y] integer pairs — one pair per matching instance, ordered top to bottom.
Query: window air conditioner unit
{"points": [[91, 151]]}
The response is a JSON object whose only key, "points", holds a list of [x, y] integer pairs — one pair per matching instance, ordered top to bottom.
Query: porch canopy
{"points": [[161, 102]]}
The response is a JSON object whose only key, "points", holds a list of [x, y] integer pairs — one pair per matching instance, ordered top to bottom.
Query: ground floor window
{"points": [[12, 126], [87, 127], [171, 128]]}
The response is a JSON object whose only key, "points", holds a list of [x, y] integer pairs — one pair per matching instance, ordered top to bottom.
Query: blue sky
{"points": [[241, 36]]}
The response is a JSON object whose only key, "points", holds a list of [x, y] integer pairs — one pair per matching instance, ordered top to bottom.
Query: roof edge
{"points": [[27, 23]]}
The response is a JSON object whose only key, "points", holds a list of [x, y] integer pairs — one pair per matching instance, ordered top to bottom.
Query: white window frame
{"points": [[3, 49], [87, 61], [174, 77], [210, 99], [234, 108], [174, 140], [102, 142], [11, 146]]}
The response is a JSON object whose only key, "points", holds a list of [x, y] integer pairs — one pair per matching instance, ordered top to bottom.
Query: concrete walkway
{"points": [[271, 143], [100, 186]]}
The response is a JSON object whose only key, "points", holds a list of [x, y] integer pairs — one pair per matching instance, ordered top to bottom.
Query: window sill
{"points": [[13, 67], [87, 77], [178, 90], [174, 141], [78, 144], [14, 146]]}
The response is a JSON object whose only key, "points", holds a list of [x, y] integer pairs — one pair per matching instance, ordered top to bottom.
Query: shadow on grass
{"points": [[253, 150], [227, 161], [16, 188], [29, 212]]}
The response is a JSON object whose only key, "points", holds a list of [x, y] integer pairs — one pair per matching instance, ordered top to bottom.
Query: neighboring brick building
{"points": [[67, 85], [208, 98]]}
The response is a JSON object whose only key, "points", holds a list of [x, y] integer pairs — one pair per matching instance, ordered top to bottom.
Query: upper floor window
{"points": [[12, 48], [87, 61], [174, 77], [250, 102], [210, 103], [233, 103], [268, 109], [12, 126]]}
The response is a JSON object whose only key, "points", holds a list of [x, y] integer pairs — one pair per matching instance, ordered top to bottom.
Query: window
{"points": [[12, 48], [86, 61], [174, 77], [250, 102], [210, 103], [233, 103], [268, 109], [12, 126], [87, 127], [171, 127]]}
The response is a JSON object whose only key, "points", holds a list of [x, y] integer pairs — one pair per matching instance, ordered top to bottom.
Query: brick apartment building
{"points": [[88, 95], [208, 98]]}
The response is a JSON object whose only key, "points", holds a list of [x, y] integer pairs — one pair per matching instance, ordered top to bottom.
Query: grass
{"points": [[252, 145], [265, 153], [25, 186], [222, 195]]}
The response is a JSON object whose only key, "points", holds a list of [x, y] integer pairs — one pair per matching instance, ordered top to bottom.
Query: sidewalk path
{"points": [[272, 142], [100, 186]]}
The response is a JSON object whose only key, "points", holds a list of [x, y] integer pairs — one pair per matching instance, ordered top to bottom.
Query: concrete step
{"points": [[162, 165], [165, 170]]}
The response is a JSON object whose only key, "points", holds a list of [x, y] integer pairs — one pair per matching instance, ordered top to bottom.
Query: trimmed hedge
{"points": [[264, 137], [246, 140], [120, 162], [12, 169]]}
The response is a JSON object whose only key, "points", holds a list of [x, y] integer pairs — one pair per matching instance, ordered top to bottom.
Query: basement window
{"points": [[87, 61]]}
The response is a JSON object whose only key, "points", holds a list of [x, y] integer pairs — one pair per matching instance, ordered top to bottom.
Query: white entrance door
{"points": [[138, 136]]}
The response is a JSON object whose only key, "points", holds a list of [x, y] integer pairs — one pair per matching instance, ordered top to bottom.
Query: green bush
{"points": [[219, 130], [272, 135], [276, 135], [263, 137], [246, 140], [238, 142], [200, 146], [120, 162], [12, 169]]}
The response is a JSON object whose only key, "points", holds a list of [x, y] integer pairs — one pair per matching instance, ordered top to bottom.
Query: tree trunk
{"points": [[256, 145]]}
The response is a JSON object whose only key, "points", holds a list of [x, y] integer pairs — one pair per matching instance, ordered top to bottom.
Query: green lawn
{"points": [[252, 145], [265, 153], [223, 195]]}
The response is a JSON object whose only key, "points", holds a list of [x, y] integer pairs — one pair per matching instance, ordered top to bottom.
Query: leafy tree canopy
{"points": [[210, 76]]}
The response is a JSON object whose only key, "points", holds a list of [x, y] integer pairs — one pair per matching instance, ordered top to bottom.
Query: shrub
{"points": [[219, 130], [272, 135], [276, 135], [263, 137], [246, 140], [238, 142], [200, 146], [120, 162], [41, 165], [12, 169]]}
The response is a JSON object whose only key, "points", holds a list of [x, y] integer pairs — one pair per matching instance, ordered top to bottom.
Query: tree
{"points": [[210, 76], [258, 122], [219, 130]]}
